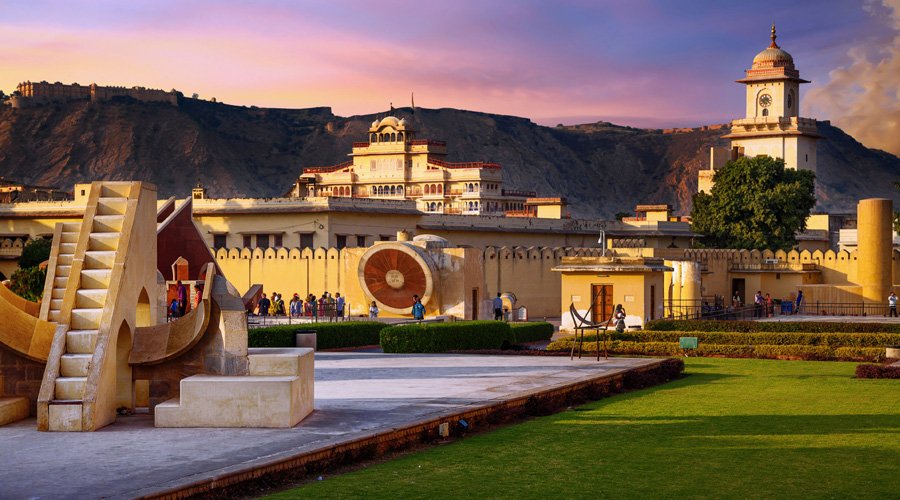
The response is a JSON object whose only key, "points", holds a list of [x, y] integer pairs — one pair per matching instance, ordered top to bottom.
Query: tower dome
{"points": [[773, 56]]}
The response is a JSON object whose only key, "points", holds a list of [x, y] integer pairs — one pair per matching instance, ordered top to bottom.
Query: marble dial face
{"points": [[765, 100], [392, 277]]}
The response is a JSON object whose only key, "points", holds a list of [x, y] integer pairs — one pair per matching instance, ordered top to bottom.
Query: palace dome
{"points": [[773, 56], [390, 120]]}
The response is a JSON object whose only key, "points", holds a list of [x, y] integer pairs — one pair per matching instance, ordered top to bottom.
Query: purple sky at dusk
{"points": [[633, 62]]}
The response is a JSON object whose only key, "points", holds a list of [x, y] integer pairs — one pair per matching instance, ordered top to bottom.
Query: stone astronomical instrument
{"points": [[391, 273]]}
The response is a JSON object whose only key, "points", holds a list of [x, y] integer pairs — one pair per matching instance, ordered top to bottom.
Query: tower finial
{"points": [[773, 45]]}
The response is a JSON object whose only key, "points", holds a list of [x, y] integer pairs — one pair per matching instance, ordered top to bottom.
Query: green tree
{"points": [[755, 203], [35, 252], [28, 283]]}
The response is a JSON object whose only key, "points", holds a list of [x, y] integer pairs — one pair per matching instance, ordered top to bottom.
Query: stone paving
{"points": [[357, 394]]}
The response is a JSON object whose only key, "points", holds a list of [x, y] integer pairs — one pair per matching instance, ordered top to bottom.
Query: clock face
{"points": [[765, 100]]}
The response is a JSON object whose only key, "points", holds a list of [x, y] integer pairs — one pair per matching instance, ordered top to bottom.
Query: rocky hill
{"points": [[238, 151]]}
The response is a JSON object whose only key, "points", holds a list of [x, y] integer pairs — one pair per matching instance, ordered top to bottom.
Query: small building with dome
{"points": [[772, 125], [395, 164]]}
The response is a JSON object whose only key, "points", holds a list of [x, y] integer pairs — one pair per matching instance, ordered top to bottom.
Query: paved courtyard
{"points": [[357, 395]]}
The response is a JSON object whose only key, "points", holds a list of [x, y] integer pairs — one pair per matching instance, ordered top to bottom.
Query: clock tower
{"points": [[772, 124]]}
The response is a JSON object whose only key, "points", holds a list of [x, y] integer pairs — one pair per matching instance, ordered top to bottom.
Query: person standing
{"points": [[182, 295], [198, 296], [736, 300], [799, 302], [758, 304], [339, 305], [892, 305], [263, 306], [296, 306], [770, 306], [313, 308], [498, 308], [174, 310], [373, 310], [418, 310], [619, 316]]}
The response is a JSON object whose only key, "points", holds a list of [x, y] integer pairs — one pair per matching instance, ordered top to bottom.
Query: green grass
{"points": [[734, 428]]}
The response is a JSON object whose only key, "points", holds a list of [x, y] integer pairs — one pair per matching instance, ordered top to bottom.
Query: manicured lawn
{"points": [[739, 428]]}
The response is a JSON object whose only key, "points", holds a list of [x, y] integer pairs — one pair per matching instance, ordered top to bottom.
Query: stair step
{"points": [[115, 189], [112, 206], [108, 223], [71, 227], [69, 238], [104, 241], [67, 248], [64, 259], [99, 259], [63, 270], [95, 278], [60, 281], [58, 293], [86, 299], [56, 304], [53, 316], [86, 319], [81, 341], [74, 365], [70, 388]]}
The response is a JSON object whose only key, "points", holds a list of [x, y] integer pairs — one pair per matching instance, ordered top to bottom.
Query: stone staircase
{"points": [[90, 296]]}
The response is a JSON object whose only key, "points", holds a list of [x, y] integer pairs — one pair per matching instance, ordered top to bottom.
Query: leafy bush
{"points": [[34, 252], [28, 283], [662, 325], [531, 332], [328, 335], [443, 337], [766, 338], [809, 352], [877, 371]]}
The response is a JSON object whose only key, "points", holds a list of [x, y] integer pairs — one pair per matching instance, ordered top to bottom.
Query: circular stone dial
{"points": [[393, 277]]}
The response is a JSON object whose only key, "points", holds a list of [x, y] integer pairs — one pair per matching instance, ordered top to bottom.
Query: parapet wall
{"points": [[41, 92]]}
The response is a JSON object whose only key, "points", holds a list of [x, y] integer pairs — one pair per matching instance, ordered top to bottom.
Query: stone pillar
{"points": [[874, 242], [690, 287], [677, 309]]}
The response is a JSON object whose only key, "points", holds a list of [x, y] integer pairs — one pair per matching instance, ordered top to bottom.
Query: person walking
{"points": [[758, 301], [799, 302], [892, 305], [263, 306], [279, 306], [295, 306], [770, 306], [313, 307], [498, 308], [174, 309], [373, 310], [418, 310]]}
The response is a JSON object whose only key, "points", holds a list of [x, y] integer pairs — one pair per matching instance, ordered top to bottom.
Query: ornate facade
{"points": [[40, 92], [394, 164]]}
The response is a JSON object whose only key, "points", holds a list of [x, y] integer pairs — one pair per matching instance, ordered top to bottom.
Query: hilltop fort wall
{"points": [[44, 92]]}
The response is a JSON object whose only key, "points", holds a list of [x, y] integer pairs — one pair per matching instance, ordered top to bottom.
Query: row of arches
{"points": [[386, 137], [433, 189], [386, 190], [435, 207]]}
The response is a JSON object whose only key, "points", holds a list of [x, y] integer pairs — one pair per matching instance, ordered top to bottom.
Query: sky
{"points": [[646, 63]]}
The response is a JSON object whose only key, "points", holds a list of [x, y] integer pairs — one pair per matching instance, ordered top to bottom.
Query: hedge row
{"points": [[664, 325], [533, 332], [328, 335], [442, 337], [767, 338], [809, 352], [877, 371]]}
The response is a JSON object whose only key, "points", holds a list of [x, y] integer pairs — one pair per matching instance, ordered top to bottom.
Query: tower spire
{"points": [[773, 45]]}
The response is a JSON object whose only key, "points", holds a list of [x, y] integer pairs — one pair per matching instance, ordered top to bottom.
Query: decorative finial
{"points": [[773, 45]]}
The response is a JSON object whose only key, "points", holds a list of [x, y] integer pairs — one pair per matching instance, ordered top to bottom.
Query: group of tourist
{"points": [[178, 306], [324, 306]]}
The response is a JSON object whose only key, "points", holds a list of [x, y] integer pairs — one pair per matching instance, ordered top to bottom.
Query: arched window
{"points": [[765, 112], [400, 136], [393, 137], [374, 138], [440, 188], [399, 189], [427, 189], [380, 190], [393, 190], [440, 207]]}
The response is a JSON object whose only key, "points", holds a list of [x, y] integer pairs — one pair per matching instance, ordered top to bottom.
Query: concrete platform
{"points": [[362, 401]]}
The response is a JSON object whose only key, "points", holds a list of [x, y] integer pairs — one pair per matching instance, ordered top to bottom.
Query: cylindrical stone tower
{"points": [[874, 243], [690, 287], [677, 309]]}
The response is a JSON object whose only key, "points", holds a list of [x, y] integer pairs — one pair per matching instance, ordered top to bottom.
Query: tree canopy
{"points": [[755, 203], [35, 252]]}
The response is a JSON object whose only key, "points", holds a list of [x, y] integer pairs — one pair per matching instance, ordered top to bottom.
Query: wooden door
{"points": [[601, 303], [474, 304]]}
